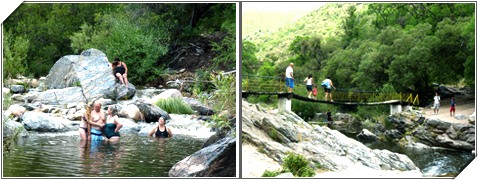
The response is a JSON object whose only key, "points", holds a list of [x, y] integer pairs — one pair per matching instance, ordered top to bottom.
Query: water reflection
{"points": [[69, 156]]}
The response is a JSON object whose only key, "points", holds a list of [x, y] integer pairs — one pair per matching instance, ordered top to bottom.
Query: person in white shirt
{"points": [[289, 77], [308, 84], [328, 85], [436, 103]]}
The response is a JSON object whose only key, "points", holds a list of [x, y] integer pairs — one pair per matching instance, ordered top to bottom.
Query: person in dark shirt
{"points": [[120, 71], [329, 119], [161, 131]]}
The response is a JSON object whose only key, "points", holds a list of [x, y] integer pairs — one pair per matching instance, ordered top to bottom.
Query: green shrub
{"points": [[7, 101], [174, 106], [220, 122], [298, 165], [271, 173]]}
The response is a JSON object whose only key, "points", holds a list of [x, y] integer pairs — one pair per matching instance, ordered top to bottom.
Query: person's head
{"points": [[116, 61], [291, 64], [310, 76], [328, 77], [436, 93], [97, 106], [112, 110], [161, 120]]}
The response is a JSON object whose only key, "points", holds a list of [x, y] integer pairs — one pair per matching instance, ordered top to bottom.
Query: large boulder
{"points": [[90, 71], [170, 93], [60, 96], [16, 110], [131, 111], [151, 112], [41, 122], [346, 123], [366, 136], [216, 160]]}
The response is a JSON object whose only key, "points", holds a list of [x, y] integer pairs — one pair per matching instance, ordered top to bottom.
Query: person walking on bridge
{"points": [[289, 77], [308, 84], [328, 85]]}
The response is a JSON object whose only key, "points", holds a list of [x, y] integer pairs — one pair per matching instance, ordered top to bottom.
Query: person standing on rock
{"points": [[120, 70], [289, 77], [308, 84], [328, 85], [436, 103], [452, 106], [329, 119], [97, 121], [112, 125], [161, 131]]}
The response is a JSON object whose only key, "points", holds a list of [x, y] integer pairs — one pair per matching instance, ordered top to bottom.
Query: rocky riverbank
{"points": [[56, 103], [277, 132]]}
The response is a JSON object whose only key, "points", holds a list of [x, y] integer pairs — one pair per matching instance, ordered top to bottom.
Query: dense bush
{"points": [[174, 106]]}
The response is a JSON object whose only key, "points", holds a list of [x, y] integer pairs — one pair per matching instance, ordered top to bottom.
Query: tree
{"points": [[14, 58], [250, 63]]}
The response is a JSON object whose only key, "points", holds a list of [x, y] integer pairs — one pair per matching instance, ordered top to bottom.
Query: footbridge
{"points": [[261, 85]]}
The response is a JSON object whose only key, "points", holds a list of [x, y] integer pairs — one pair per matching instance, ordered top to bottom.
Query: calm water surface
{"points": [[59, 155]]}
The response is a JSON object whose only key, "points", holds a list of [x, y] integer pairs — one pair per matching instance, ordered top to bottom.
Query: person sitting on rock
{"points": [[120, 71], [97, 121], [112, 125], [161, 131]]}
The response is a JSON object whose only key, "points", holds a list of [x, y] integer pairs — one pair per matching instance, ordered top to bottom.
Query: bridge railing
{"points": [[253, 83]]}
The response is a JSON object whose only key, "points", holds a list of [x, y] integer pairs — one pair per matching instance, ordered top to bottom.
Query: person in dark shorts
{"points": [[120, 71], [308, 84], [328, 85], [161, 131]]}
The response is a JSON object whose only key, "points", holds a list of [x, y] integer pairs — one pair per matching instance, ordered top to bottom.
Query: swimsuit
{"points": [[120, 69], [109, 130], [163, 134], [96, 135]]}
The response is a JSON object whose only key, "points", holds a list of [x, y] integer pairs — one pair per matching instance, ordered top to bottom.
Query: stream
{"points": [[64, 155]]}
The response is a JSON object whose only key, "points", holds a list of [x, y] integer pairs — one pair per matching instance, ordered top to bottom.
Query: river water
{"points": [[64, 155], [432, 162]]}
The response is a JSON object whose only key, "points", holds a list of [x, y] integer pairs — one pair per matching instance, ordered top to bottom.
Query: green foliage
{"points": [[15, 50], [250, 63], [201, 82], [225, 93], [7, 100], [174, 106], [220, 122], [272, 132], [298, 165], [268, 173]]}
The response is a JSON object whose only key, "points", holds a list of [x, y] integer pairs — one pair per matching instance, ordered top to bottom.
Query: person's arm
{"points": [[291, 75], [305, 79], [332, 84], [118, 124], [152, 131], [170, 133]]}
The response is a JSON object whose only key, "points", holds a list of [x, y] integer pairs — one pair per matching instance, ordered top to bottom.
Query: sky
{"points": [[280, 6]]}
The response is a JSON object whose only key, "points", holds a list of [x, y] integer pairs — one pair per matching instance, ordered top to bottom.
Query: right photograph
{"points": [[357, 90]]}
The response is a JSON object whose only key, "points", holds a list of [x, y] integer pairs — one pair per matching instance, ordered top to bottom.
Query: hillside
{"points": [[271, 40]]}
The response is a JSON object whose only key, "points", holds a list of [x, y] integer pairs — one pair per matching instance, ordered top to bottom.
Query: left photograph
{"points": [[119, 90]]}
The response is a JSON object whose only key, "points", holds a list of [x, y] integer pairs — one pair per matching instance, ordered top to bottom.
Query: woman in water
{"points": [[120, 70], [84, 125], [112, 125], [161, 131]]}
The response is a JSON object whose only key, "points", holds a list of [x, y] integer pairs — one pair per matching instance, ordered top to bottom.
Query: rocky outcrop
{"points": [[89, 71], [17, 88], [170, 93], [60, 96], [131, 111], [41, 122], [346, 123], [279, 132], [444, 134], [215, 160]]}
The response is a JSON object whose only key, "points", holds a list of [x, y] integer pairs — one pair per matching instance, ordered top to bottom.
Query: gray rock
{"points": [[90, 71], [17, 89], [170, 93], [60, 96], [17, 97], [198, 106], [131, 111], [151, 112], [461, 117], [41, 122], [346, 123], [129, 126], [12, 128], [146, 129], [393, 135], [366, 136], [216, 160]]}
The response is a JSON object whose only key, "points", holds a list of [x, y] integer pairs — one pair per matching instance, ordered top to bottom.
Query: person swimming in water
{"points": [[97, 121], [112, 126], [161, 131]]}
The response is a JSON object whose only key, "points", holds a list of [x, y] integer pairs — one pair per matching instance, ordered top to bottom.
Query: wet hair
{"points": [[114, 110]]}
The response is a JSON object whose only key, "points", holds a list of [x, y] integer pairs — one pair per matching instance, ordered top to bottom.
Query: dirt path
{"points": [[465, 105], [255, 163]]}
